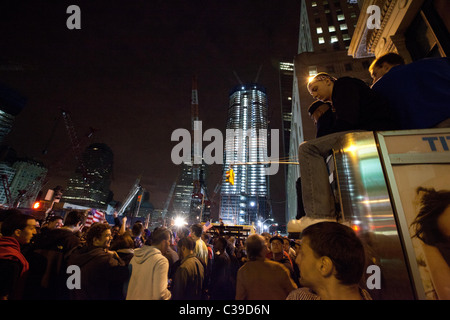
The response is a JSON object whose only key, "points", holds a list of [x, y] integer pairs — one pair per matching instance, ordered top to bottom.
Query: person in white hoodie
{"points": [[149, 269]]}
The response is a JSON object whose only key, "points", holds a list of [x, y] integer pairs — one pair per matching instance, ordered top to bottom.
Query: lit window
{"points": [[314, 4], [341, 17], [343, 26], [331, 29], [319, 30], [345, 37], [334, 39], [321, 40], [312, 70]]}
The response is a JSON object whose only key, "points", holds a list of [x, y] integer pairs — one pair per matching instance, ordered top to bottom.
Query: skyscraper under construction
{"points": [[190, 194], [246, 201]]}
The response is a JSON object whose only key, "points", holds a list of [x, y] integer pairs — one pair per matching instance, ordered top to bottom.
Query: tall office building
{"points": [[326, 29], [286, 80], [11, 104], [27, 181], [89, 186], [183, 191], [246, 201], [185, 203]]}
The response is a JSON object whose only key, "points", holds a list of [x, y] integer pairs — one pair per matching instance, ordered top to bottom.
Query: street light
{"points": [[261, 224]]}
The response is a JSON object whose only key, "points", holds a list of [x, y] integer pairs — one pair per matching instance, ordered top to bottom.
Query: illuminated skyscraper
{"points": [[11, 104], [90, 186], [246, 201]]}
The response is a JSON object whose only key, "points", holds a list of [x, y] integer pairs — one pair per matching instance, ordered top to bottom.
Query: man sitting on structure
{"points": [[419, 92], [357, 108]]}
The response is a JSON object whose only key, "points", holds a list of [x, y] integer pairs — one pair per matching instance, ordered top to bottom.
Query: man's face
{"points": [[377, 72], [321, 89], [55, 224], [24, 236], [105, 240], [165, 244], [286, 245], [276, 246], [307, 263]]}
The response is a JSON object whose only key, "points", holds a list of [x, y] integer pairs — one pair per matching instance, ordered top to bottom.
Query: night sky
{"points": [[128, 74]]}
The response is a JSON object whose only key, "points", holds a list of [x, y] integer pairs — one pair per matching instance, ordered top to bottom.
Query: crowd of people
{"points": [[134, 263], [166, 263]]}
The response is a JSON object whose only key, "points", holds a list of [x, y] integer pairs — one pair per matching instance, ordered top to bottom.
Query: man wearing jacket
{"points": [[358, 108], [18, 229], [149, 269], [101, 270], [189, 278], [260, 278]]}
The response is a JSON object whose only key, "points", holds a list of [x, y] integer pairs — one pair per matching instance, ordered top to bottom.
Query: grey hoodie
{"points": [[149, 275]]}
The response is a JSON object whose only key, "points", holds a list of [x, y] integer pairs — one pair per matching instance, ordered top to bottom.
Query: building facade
{"points": [[414, 29], [27, 182], [89, 186], [246, 201]]}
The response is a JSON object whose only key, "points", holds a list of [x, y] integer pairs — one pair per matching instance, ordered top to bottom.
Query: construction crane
{"points": [[75, 147], [133, 192]]}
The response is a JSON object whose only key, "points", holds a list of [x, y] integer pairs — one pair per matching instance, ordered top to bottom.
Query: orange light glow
{"points": [[36, 205]]}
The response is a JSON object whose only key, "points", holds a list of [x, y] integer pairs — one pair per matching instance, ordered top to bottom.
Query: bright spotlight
{"points": [[179, 222]]}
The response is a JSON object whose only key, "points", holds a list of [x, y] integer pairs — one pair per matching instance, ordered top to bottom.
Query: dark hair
{"points": [[390, 58], [315, 105], [432, 204], [4, 214], [73, 217], [54, 218], [13, 222], [137, 229], [197, 229], [95, 231], [159, 235], [123, 241], [186, 242], [223, 242], [341, 244], [254, 245]]}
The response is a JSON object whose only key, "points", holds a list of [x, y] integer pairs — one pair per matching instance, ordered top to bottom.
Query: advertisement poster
{"points": [[425, 188]]}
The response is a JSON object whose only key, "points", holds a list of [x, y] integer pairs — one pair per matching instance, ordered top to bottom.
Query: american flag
{"points": [[94, 216]]}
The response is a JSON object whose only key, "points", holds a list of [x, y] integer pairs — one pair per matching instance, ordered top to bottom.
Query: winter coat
{"points": [[48, 264], [13, 269], [100, 272], [149, 275], [189, 279], [263, 280]]}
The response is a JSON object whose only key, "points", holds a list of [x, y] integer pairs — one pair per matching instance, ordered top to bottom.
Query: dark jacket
{"points": [[359, 108], [325, 123], [48, 264], [13, 269], [100, 273], [188, 280], [222, 285]]}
